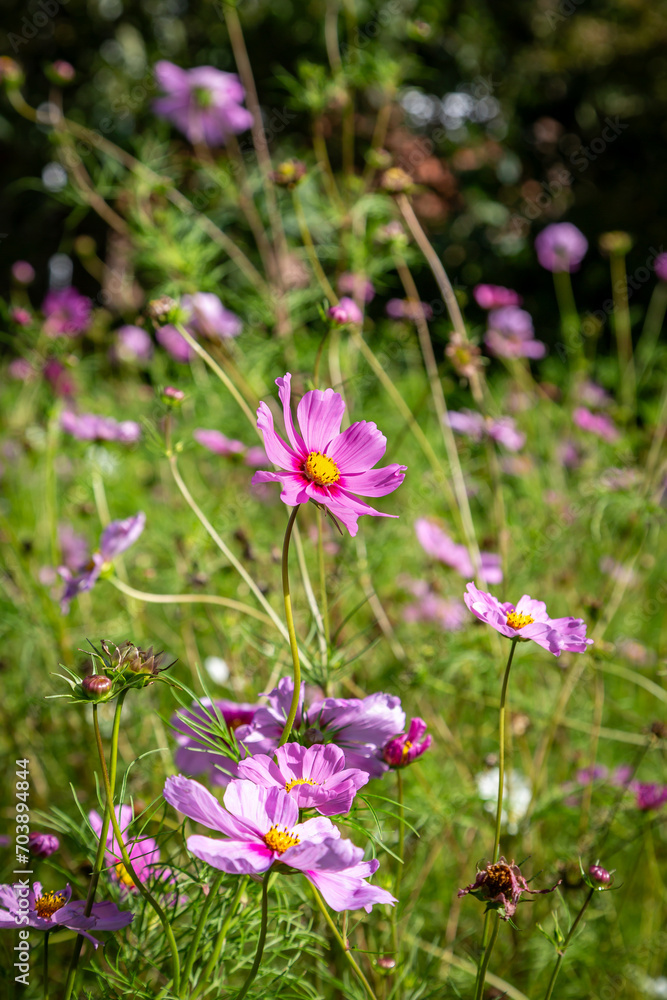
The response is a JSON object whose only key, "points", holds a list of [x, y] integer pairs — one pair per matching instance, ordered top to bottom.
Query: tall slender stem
{"points": [[623, 330], [323, 577], [223, 602], [294, 707], [501, 752], [102, 843], [399, 865], [150, 899], [203, 916], [222, 936], [260, 941], [344, 946], [561, 953], [486, 957], [45, 966]]}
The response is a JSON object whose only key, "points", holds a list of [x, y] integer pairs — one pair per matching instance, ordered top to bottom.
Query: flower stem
{"points": [[569, 318], [623, 331], [323, 576], [223, 602], [291, 631], [501, 751], [101, 846], [399, 866], [150, 899], [222, 936], [260, 942], [344, 946], [194, 947], [561, 953], [486, 957], [45, 967]]}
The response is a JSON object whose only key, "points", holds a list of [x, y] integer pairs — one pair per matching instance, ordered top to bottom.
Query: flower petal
{"points": [[319, 414], [358, 448], [238, 857]]}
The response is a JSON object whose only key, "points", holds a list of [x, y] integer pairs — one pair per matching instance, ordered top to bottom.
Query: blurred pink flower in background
{"points": [[203, 102], [561, 247], [356, 286], [495, 296], [407, 309], [346, 311], [66, 312], [510, 334], [596, 423], [216, 442], [437, 544]]}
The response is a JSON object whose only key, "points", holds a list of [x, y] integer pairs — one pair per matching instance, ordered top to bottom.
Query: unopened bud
{"points": [[60, 72], [289, 173], [396, 180], [615, 244], [160, 309], [172, 396], [96, 685], [313, 736], [43, 844], [599, 874], [387, 963]]}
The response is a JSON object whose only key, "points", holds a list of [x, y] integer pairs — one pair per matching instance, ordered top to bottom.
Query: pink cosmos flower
{"points": [[204, 103], [561, 247], [660, 266], [23, 272], [357, 286], [495, 296], [407, 309], [346, 311], [67, 312], [20, 316], [208, 317], [510, 334], [133, 343], [174, 343], [21, 370], [59, 378], [593, 394], [596, 423], [475, 426], [91, 427], [216, 442], [255, 457], [324, 465], [115, 539], [437, 544], [431, 607], [528, 620], [361, 727], [201, 747], [405, 749], [315, 777], [649, 795], [261, 829], [43, 845], [143, 853], [501, 886], [47, 911]]}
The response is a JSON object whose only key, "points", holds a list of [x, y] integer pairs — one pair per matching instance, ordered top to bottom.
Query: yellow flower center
{"points": [[321, 469], [515, 620], [406, 749], [299, 781], [279, 840], [123, 875], [48, 903]]}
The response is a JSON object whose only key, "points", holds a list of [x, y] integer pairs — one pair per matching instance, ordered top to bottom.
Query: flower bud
{"points": [[60, 72], [11, 73], [379, 158], [289, 173], [396, 180], [615, 244], [23, 272], [159, 310], [171, 396], [96, 686], [313, 736], [43, 844], [599, 874], [386, 963]]}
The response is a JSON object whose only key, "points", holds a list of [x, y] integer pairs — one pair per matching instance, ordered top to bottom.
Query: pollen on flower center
{"points": [[321, 469], [515, 620], [299, 781], [279, 840], [123, 875], [499, 877], [48, 903]]}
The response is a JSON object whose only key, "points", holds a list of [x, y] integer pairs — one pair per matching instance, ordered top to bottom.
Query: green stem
{"points": [[311, 249], [569, 317], [623, 331], [323, 577], [223, 602], [294, 707], [501, 751], [102, 843], [399, 866], [150, 899], [203, 916], [222, 935], [260, 943], [346, 950], [561, 953], [486, 957], [45, 968]]}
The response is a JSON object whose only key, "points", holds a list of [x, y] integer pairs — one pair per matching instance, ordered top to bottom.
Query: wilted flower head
{"points": [[204, 103], [289, 173], [396, 180], [561, 247], [495, 296], [346, 311], [66, 312], [207, 317], [510, 334], [464, 356], [596, 423], [324, 465], [437, 544], [528, 620], [404, 749], [261, 829], [42, 845], [501, 886], [47, 911]]}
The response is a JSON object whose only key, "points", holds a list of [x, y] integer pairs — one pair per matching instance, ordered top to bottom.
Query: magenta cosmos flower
{"points": [[204, 103], [561, 247], [660, 266], [356, 285], [495, 296], [408, 309], [345, 311], [67, 312], [208, 317], [510, 334], [133, 343], [174, 343], [596, 423], [475, 426], [92, 427], [216, 442], [324, 465], [114, 540], [437, 544], [451, 615], [528, 620], [361, 727], [201, 747], [405, 749], [315, 777], [649, 795], [261, 829], [43, 845], [144, 853], [501, 886], [47, 911]]}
